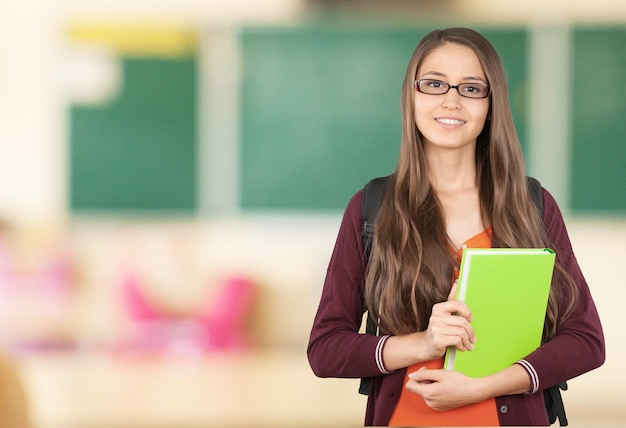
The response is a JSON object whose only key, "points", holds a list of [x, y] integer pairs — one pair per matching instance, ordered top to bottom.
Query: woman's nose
{"points": [[451, 99]]}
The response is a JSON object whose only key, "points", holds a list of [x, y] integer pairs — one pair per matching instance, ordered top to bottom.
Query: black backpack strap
{"points": [[373, 194], [536, 194], [551, 396], [554, 404]]}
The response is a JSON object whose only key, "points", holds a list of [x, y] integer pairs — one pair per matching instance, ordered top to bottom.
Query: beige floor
{"points": [[229, 390], [260, 390]]}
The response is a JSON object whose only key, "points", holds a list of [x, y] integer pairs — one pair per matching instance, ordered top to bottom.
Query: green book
{"points": [[506, 289]]}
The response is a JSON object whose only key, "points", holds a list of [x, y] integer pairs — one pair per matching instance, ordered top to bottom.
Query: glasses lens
{"points": [[434, 87], [438, 87], [473, 90]]}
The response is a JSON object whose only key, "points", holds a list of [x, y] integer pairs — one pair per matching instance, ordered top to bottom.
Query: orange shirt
{"points": [[411, 409]]}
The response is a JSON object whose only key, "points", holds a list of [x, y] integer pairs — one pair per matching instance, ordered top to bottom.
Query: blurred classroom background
{"points": [[173, 175]]}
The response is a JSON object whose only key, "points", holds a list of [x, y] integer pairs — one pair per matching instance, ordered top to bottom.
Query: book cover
{"points": [[506, 289]]}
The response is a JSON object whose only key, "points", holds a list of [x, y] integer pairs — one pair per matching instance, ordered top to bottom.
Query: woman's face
{"points": [[450, 120]]}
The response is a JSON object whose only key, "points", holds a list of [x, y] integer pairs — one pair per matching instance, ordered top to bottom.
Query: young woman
{"points": [[459, 182]]}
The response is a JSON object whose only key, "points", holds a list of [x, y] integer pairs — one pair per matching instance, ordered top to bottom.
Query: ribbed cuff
{"points": [[379, 355], [532, 373]]}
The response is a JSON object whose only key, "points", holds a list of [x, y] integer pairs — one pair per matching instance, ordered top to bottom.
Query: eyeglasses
{"points": [[437, 87]]}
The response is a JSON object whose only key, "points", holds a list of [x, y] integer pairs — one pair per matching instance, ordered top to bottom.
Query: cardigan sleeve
{"points": [[578, 345], [336, 348]]}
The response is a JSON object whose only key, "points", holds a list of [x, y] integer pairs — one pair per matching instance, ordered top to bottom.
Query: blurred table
{"points": [[256, 389], [277, 389]]}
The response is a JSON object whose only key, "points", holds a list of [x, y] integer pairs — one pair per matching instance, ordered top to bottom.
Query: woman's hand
{"points": [[449, 325], [444, 389], [447, 389]]}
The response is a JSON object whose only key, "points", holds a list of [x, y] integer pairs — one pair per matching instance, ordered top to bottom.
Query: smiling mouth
{"points": [[447, 121]]}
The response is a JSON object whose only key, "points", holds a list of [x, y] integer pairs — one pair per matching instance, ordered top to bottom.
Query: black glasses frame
{"points": [[449, 86]]}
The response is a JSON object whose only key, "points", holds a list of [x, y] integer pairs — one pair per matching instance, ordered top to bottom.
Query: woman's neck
{"points": [[452, 172], [453, 177]]}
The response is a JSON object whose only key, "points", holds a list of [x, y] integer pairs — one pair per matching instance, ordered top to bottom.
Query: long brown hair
{"points": [[411, 266]]}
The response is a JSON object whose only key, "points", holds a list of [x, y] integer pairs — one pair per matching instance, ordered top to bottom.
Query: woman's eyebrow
{"points": [[434, 73], [465, 78], [482, 79]]}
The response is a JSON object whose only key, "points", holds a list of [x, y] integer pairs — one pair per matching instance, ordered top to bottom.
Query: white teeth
{"points": [[450, 121]]}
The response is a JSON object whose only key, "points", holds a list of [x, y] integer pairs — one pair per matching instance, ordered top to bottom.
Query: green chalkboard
{"points": [[321, 109], [138, 151], [598, 180]]}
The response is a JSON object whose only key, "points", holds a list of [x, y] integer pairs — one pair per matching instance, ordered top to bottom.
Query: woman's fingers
{"points": [[452, 295], [452, 307], [455, 307], [450, 326], [460, 336]]}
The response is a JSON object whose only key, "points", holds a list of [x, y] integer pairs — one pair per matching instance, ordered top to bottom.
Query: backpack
{"points": [[373, 194]]}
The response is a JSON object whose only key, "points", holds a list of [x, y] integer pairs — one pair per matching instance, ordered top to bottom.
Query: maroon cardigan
{"points": [[337, 349]]}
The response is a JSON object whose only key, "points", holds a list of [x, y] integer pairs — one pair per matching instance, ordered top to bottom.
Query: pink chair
{"points": [[225, 317], [219, 325]]}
